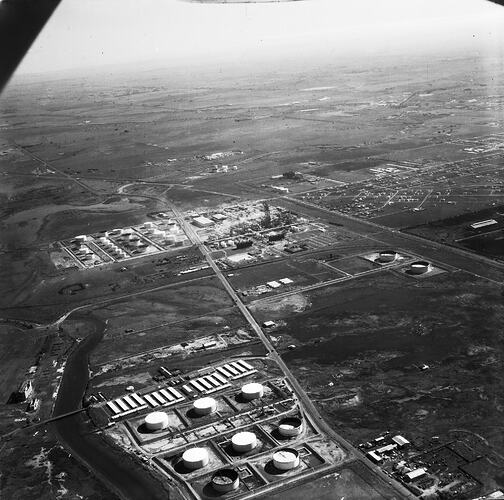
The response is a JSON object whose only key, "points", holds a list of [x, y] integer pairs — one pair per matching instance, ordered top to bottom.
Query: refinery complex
{"points": [[249, 281], [229, 429]]}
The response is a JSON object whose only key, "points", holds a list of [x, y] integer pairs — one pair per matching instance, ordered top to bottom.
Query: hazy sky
{"points": [[87, 33]]}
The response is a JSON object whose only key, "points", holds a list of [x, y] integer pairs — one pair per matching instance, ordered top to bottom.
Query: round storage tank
{"points": [[387, 256], [420, 267], [252, 391], [204, 406], [156, 421], [290, 426], [244, 441], [195, 458], [286, 459], [225, 480]]}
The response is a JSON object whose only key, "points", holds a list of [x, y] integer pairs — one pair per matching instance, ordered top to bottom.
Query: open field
{"points": [[360, 348]]}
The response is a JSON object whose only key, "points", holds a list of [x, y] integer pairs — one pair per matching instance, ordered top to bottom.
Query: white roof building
{"points": [[202, 221], [484, 223], [286, 281], [273, 284], [400, 441], [387, 448], [374, 456], [415, 474]]}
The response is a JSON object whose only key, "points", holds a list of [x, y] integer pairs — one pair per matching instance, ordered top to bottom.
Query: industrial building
{"points": [[280, 189], [202, 221], [484, 223], [273, 284], [204, 385], [24, 392], [400, 441], [415, 474]]}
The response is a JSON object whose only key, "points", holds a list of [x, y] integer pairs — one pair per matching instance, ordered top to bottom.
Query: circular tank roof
{"points": [[387, 255], [420, 263], [420, 266], [252, 390], [205, 404], [156, 419], [290, 426], [244, 440], [195, 457], [286, 458], [225, 480]]}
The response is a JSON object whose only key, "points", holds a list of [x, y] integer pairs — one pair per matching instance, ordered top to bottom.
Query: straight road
{"points": [[474, 264], [306, 402]]}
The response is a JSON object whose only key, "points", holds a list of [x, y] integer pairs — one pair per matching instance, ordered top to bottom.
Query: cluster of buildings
{"points": [[401, 185], [268, 287], [216, 380], [26, 394], [387, 449]]}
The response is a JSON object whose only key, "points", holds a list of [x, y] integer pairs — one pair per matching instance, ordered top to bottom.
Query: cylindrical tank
{"points": [[387, 256], [420, 267], [252, 391], [204, 406], [156, 421], [290, 426], [244, 441], [195, 458], [286, 459], [225, 480]]}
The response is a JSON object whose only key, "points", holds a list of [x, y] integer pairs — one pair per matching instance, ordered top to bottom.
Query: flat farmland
{"points": [[353, 265], [302, 271], [171, 315]]}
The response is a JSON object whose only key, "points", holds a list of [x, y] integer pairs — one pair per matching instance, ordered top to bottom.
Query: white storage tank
{"points": [[387, 256], [420, 267], [252, 391], [204, 406], [156, 421], [290, 427], [244, 441], [195, 458], [286, 459], [225, 480]]}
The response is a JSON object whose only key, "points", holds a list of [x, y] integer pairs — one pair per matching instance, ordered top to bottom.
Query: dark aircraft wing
{"points": [[20, 23]]}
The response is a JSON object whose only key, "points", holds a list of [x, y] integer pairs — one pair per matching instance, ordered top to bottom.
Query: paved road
{"points": [[323, 284], [303, 398]]}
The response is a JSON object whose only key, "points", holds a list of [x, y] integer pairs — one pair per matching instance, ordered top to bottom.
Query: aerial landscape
{"points": [[239, 282]]}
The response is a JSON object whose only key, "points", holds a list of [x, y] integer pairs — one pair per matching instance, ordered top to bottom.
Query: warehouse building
{"points": [[202, 221]]}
